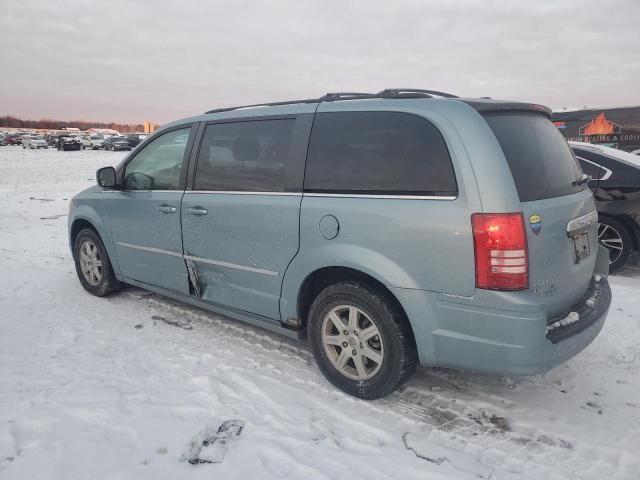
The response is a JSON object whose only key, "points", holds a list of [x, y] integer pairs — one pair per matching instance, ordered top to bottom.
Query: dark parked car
{"points": [[53, 139], [13, 140], [69, 143], [120, 143], [615, 182]]}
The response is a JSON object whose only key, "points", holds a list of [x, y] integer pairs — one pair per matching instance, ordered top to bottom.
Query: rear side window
{"points": [[378, 153], [244, 156], [539, 157], [590, 168]]}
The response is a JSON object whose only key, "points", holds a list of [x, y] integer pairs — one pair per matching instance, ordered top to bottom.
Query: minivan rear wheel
{"points": [[615, 237], [92, 264], [360, 340]]}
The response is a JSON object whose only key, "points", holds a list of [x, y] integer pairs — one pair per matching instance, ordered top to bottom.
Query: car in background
{"points": [[53, 139], [13, 140], [34, 141], [85, 141], [96, 141], [67, 142], [116, 143], [636, 152], [615, 182]]}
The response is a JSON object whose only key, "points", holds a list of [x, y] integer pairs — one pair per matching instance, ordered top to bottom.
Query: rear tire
{"points": [[615, 237], [93, 265], [371, 352]]}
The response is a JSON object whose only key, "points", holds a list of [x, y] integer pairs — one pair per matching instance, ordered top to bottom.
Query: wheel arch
{"points": [[88, 218], [319, 279]]}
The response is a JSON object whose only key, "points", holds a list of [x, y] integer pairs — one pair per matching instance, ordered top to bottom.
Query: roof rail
{"points": [[413, 92], [335, 96], [330, 97], [270, 104]]}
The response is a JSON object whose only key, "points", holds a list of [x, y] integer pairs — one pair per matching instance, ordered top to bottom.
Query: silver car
{"points": [[34, 142], [390, 229]]}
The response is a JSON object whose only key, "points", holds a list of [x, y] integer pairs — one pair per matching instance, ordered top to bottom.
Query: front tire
{"points": [[615, 237], [92, 264], [361, 340]]}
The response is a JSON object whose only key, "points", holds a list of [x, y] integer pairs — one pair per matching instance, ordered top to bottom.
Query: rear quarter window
{"points": [[378, 153], [541, 161]]}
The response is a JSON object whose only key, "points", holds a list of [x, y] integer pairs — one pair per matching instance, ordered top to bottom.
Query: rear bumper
{"points": [[503, 332]]}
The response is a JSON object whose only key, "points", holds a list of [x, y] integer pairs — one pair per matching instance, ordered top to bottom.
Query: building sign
{"points": [[613, 127]]}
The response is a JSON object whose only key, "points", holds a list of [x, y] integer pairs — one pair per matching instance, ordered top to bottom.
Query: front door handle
{"points": [[166, 209], [196, 211]]}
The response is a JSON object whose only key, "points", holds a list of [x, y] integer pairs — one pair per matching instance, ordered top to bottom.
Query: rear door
{"points": [[559, 211], [241, 218]]}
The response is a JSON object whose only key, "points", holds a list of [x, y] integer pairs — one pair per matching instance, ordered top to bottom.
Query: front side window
{"points": [[378, 153], [244, 156], [157, 166]]}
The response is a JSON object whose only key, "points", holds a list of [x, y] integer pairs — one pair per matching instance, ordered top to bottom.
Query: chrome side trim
{"points": [[607, 172], [141, 191], [234, 192], [393, 197], [583, 221], [150, 249], [198, 259], [230, 265]]}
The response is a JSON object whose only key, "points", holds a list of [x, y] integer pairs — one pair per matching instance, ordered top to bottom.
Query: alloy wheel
{"points": [[611, 239], [90, 263], [352, 342]]}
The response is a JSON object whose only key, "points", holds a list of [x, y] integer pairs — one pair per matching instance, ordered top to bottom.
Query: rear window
{"points": [[378, 153], [539, 157]]}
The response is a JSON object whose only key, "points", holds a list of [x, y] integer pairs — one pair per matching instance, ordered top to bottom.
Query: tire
{"points": [[612, 233], [88, 243], [393, 343]]}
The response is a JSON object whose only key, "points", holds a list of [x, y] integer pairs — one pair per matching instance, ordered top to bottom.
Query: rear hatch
{"points": [[558, 210]]}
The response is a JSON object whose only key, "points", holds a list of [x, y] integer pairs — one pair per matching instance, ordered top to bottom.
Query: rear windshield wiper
{"points": [[582, 180]]}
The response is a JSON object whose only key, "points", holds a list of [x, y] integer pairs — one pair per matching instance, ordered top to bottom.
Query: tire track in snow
{"points": [[453, 418]]}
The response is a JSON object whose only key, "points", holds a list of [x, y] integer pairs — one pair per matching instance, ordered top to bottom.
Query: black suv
{"points": [[615, 182]]}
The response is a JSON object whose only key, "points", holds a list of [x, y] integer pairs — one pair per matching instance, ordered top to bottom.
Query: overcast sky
{"points": [[127, 61]]}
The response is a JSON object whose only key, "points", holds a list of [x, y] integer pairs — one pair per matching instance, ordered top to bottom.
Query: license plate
{"points": [[581, 246]]}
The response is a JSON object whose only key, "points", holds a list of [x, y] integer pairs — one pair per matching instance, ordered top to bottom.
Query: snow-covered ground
{"points": [[119, 388]]}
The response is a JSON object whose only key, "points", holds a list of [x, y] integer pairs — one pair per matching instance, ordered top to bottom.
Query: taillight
{"points": [[502, 256]]}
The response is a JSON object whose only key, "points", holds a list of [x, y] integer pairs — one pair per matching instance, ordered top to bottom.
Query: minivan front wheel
{"points": [[92, 264], [360, 340]]}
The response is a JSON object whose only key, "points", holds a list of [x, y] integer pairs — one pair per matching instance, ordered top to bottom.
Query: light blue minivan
{"points": [[389, 229]]}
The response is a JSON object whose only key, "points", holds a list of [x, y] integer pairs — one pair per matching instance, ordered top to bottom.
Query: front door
{"points": [[145, 215], [240, 221]]}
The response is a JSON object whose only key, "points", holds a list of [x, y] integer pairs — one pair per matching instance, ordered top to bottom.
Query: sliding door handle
{"points": [[166, 209], [196, 211]]}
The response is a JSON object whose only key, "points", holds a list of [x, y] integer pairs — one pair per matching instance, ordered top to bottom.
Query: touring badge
{"points": [[536, 223]]}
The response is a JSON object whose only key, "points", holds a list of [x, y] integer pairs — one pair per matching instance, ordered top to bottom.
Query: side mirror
{"points": [[106, 177]]}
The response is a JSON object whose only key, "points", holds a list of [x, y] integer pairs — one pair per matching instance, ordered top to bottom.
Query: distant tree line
{"points": [[15, 122]]}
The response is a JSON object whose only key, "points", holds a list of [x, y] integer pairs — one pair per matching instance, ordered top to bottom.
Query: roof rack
{"points": [[413, 93], [335, 96], [271, 104]]}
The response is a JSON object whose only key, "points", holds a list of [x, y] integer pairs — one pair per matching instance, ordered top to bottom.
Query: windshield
{"points": [[541, 162]]}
